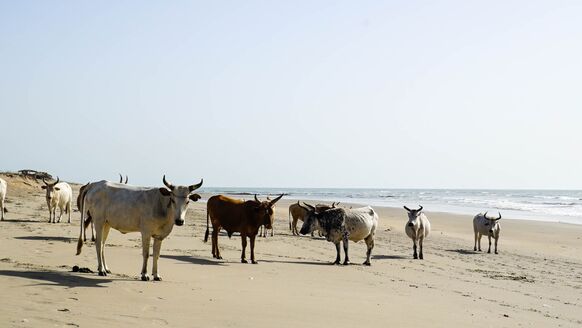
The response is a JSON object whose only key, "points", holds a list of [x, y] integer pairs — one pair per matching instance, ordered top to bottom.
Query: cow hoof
{"points": [[92, 239], [488, 252], [496, 252], [415, 256], [421, 257], [243, 261], [254, 262], [346, 262], [336, 263], [367, 263], [102, 273], [145, 278], [158, 278]]}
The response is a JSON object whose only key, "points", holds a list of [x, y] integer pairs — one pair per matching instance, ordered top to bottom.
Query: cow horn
{"points": [[120, 178], [126, 179], [44, 181], [57, 181], [167, 184], [196, 186], [256, 199], [276, 200], [309, 206], [406, 208], [420, 209], [485, 215], [499, 218]]}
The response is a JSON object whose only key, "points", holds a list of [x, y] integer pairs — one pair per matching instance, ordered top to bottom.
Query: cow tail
{"points": [[82, 209], [289, 218], [207, 227]]}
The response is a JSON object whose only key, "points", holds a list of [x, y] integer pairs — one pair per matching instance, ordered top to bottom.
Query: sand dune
{"points": [[536, 280]]}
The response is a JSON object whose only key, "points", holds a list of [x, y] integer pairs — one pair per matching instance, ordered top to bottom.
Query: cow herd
{"points": [[154, 211]]}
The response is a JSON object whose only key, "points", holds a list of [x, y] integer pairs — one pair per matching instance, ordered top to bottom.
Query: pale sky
{"points": [[391, 94]]}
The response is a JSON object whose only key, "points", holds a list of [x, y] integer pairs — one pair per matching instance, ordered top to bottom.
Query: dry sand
{"points": [[535, 280]]}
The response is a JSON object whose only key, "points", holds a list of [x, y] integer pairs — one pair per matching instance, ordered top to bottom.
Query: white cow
{"points": [[3, 189], [58, 194], [150, 211], [88, 220], [340, 225], [483, 225], [417, 228]]}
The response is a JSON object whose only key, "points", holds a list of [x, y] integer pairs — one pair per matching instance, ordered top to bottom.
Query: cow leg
{"points": [[61, 210], [69, 211], [294, 225], [106, 229], [92, 231], [272, 232], [252, 238], [496, 239], [479, 241], [215, 243], [370, 244], [244, 247], [99, 248], [157, 248], [475, 248], [337, 249], [489, 250], [145, 251], [414, 254], [420, 256], [347, 258]]}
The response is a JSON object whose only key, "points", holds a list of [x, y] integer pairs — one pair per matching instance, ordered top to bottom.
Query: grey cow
{"points": [[340, 225], [484, 225], [417, 228]]}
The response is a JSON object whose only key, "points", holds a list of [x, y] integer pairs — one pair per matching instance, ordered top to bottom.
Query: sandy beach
{"points": [[534, 281]]}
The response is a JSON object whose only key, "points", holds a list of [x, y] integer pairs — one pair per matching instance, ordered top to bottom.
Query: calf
{"points": [[58, 194], [235, 215], [340, 225], [483, 225], [417, 228]]}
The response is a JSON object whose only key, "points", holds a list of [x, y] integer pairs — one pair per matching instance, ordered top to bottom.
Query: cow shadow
{"points": [[7, 220], [48, 238], [463, 251], [390, 257], [193, 260], [299, 262], [55, 278]]}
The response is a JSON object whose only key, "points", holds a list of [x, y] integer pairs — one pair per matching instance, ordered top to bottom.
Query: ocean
{"points": [[541, 205]]}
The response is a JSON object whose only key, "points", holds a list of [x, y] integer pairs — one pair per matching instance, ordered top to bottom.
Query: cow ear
{"points": [[43, 187], [57, 189], [165, 191], [194, 197]]}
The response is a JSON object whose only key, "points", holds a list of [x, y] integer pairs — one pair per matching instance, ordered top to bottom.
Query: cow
{"points": [[3, 189], [58, 194], [151, 211], [298, 213], [236, 215], [88, 220], [340, 225], [484, 225], [417, 228]]}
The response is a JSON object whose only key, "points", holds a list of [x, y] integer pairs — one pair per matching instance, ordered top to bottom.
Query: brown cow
{"points": [[299, 213], [235, 215]]}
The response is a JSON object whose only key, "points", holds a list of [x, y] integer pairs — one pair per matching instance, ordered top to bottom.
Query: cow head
{"points": [[50, 188], [179, 197], [264, 211], [413, 216], [310, 222], [492, 223]]}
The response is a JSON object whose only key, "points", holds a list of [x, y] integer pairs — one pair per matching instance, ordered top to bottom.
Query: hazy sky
{"points": [[428, 94]]}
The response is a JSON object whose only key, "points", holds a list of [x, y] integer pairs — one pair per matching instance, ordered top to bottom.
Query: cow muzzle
{"points": [[179, 222], [410, 224], [491, 231]]}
